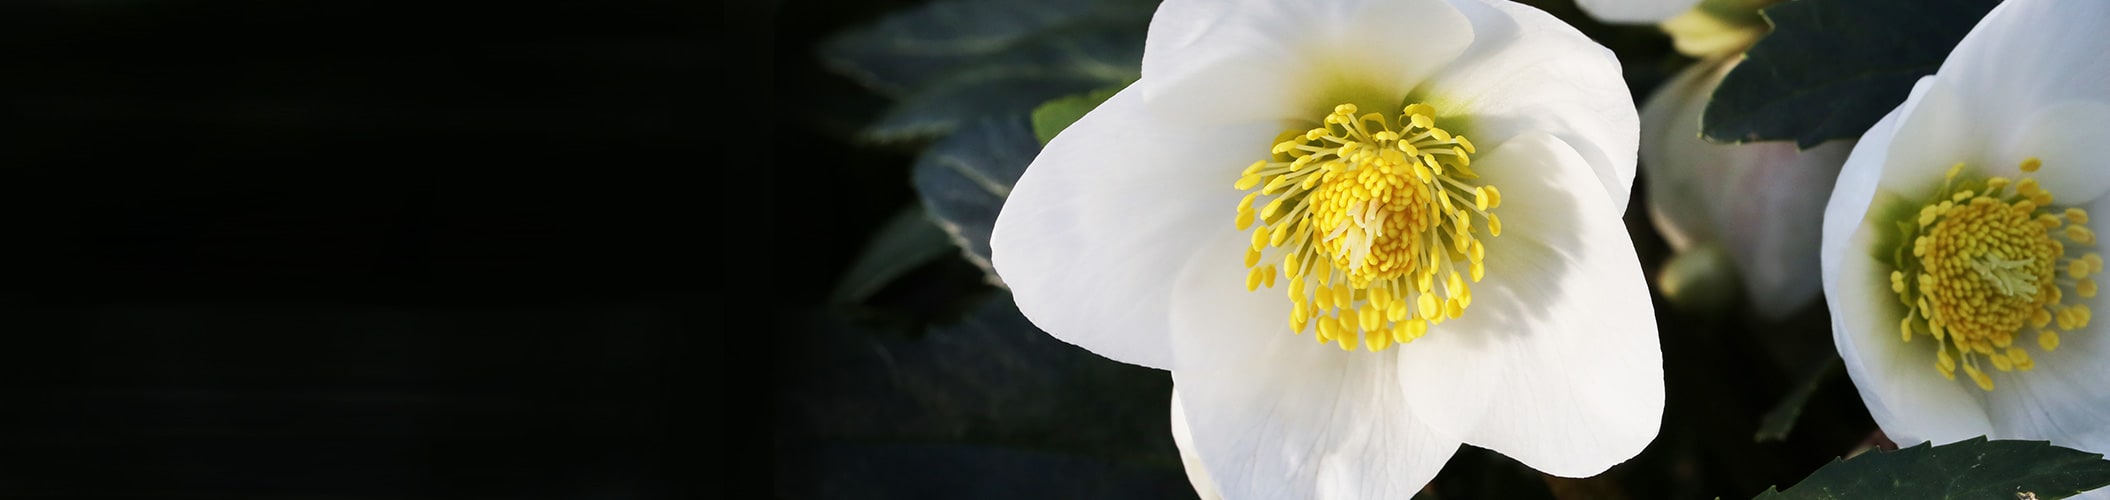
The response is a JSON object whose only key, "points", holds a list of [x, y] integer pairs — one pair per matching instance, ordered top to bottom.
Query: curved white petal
{"points": [[1635, 11], [2027, 55], [1232, 61], [1528, 72], [2004, 83], [1933, 131], [2072, 138], [1671, 159], [1763, 201], [1092, 236], [1556, 362], [1897, 381], [2063, 399], [1280, 416], [1197, 473]]}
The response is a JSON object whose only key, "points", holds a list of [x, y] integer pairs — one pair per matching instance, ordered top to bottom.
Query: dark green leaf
{"points": [[910, 49], [1058, 62], [1832, 68], [1050, 118], [964, 179], [906, 241], [992, 378], [1781, 419], [1970, 469], [910, 470]]}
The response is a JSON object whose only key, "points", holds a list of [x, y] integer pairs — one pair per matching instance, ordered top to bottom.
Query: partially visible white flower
{"points": [[1449, 173], [1762, 202], [1958, 240]]}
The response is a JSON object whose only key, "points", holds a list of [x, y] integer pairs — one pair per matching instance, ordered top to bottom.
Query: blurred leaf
{"points": [[911, 49], [1070, 60], [1831, 68], [1050, 118], [964, 179], [906, 241], [992, 378], [1781, 419], [1970, 469], [885, 470]]}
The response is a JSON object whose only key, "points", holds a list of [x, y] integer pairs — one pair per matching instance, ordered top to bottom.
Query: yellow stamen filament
{"points": [[1371, 217], [1983, 266]]}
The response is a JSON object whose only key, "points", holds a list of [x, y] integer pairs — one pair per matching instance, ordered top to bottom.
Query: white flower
{"points": [[1763, 202], [1133, 235], [1958, 238]]}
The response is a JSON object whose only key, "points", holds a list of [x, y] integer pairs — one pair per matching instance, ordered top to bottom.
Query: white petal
{"points": [[1635, 11], [2027, 55], [1226, 61], [1529, 72], [2002, 88], [1935, 130], [2072, 138], [1672, 156], [1763, 201], [1093, 235], [1556, 362], [1897, 381], [2062, 400], [1279, 416], [1197, 473]]}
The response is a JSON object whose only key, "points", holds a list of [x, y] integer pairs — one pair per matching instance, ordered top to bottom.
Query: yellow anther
{"points": [[2031, 164], [1365, 204], [2080, 234], [1983, 269], [1378, 340], [1945, 363], [1984, 382]]}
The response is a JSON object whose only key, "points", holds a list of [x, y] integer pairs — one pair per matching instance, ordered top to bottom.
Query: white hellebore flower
{"points": [[1288, 197], [1762, 202], [1958, 238]]}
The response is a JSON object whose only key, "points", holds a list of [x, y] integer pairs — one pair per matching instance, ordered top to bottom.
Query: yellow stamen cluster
{"points": [[1372, 217], [1982, 265]]}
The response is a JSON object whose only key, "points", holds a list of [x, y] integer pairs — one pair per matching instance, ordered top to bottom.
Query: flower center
{"points": [[1372, 218], [1981, 265]]}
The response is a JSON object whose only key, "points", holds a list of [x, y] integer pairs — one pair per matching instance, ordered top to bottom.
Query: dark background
{"points": [[343, 249]]}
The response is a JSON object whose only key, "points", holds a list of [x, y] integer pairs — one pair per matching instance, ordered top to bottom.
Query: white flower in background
{"points": [[1761, 202], [1758, 203], [1359, 234], [1958, 240]]}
